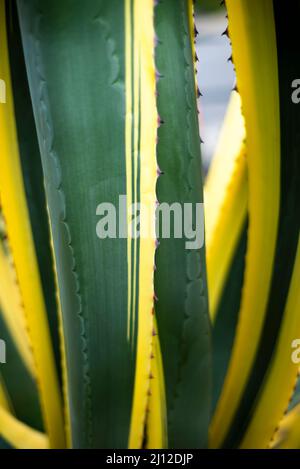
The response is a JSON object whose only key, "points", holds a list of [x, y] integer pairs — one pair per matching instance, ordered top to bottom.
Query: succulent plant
{"points": [[116, 339]]}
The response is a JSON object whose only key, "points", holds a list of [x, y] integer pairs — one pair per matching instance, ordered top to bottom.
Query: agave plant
{"points": [[136, 341]]}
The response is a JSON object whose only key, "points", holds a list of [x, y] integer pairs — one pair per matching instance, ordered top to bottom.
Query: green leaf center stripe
{"points": [[129, 150], [134, 155], [136, 240]]}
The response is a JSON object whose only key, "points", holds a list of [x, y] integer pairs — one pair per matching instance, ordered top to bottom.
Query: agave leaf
{"points": [[252, 31], [106, 71], [30, 160], [145, 174], [226, 195], [13, 202], [226, 237], [181, 307], [12, 310], [226, 320], [273, 362], [19, 372], [282, 372], [19, 382], [296, 395], [4, 401], [4, 404], [257, 414], [157, 429], [287, 434], [20, 435]]}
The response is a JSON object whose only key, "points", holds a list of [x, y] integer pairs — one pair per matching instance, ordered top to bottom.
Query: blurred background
{"points": [[216, 77]]}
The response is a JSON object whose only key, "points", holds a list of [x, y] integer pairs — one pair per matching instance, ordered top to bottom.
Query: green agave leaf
{"points": [[254, 48], [96, 120], [94, 155], [83, 165], [32, 171], [226, 207], [226, 229], [287, 235], [25, 264], [181, 308], [224, 327], [20, 384], [260, 409], [19, 434]]}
